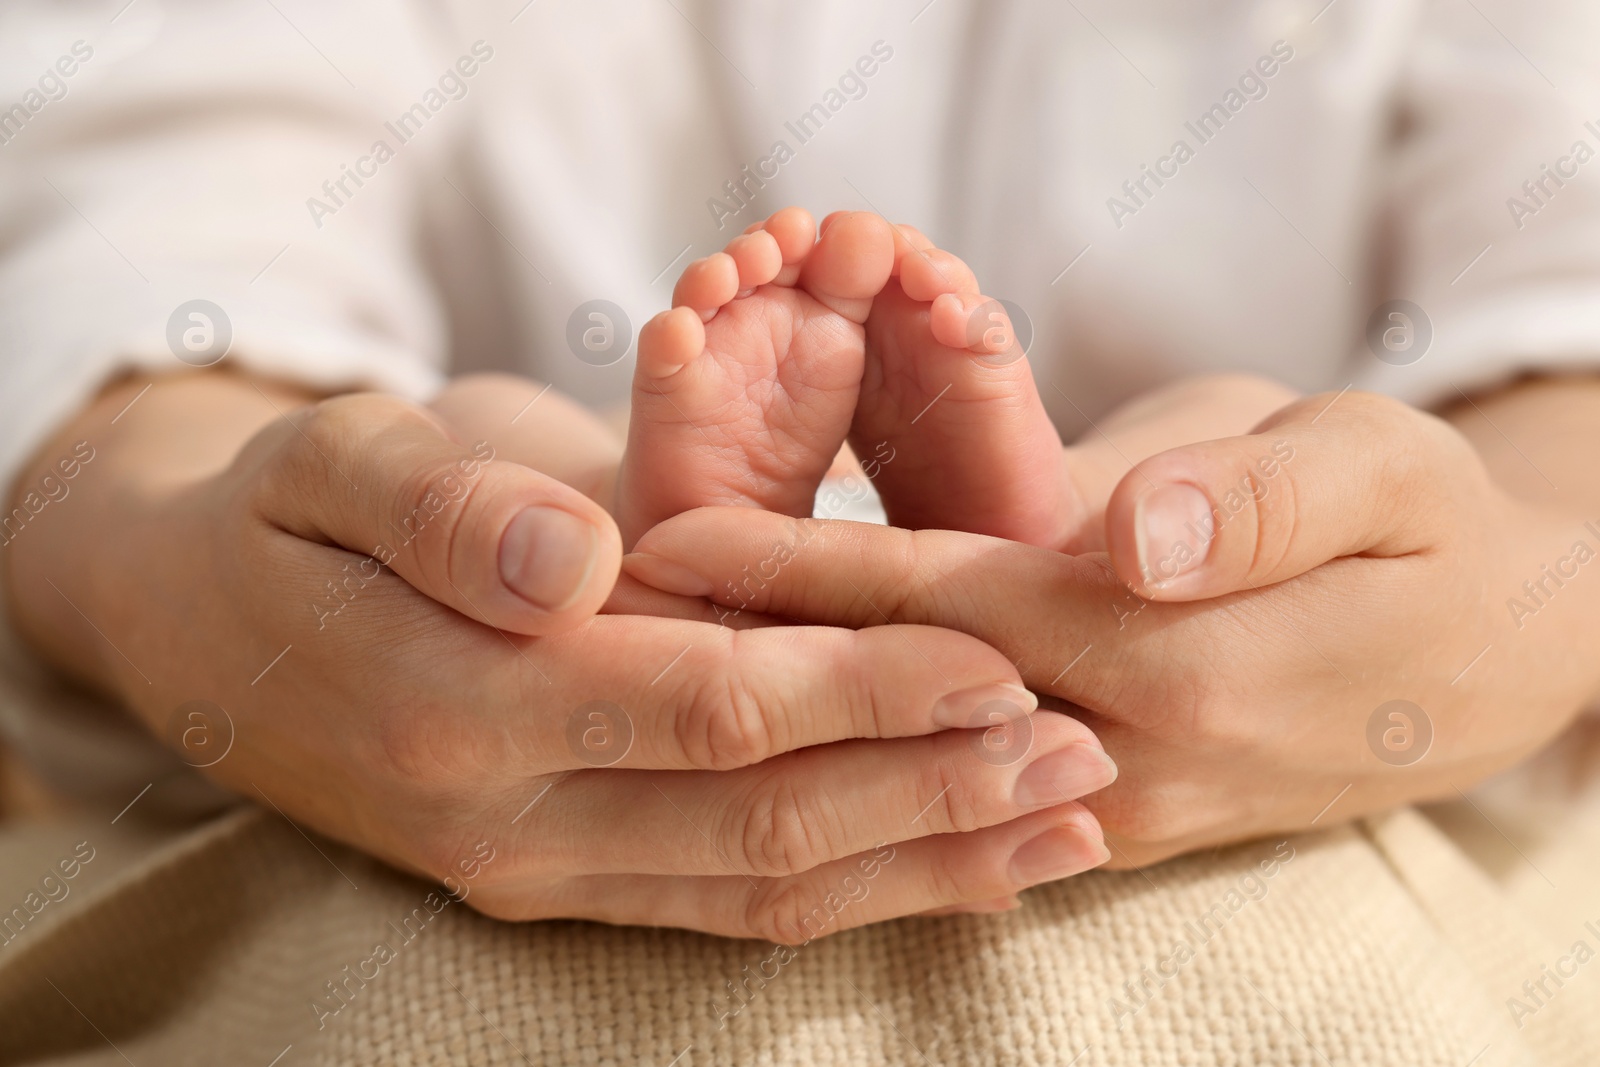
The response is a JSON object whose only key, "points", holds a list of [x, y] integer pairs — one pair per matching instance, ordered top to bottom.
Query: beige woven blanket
{"points": [[1460, 935]]}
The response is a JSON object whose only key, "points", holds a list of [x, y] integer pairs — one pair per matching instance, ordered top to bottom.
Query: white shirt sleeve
{"points": [[173, 154], [178, 161], [1491, 221]]}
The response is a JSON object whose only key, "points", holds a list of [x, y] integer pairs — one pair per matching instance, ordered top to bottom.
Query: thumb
{"points": [[1325, 477], [497, 541]]}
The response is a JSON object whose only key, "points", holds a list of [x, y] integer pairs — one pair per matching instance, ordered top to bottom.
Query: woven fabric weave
{"points": [[1382, 943]]}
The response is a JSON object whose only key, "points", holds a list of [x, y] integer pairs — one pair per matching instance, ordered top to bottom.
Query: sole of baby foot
{"points": [[744, 391], [950, 411]]}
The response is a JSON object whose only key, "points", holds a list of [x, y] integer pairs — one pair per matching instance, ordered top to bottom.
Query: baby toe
{"points": [[794, 231], [908, 241], [757, 257], [850, 264], [930, 272], [707, 284], [971, 321], [669, 341]]}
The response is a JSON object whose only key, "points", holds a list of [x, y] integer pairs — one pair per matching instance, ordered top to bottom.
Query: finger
{"points": [[1200, 408], [1325, 477], [496, 541], [858, 574], [632, 597], [677, 695], [815, 805], [887, 882]]}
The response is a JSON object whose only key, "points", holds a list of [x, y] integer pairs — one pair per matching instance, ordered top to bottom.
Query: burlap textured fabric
{"points": [[1401, 940]]}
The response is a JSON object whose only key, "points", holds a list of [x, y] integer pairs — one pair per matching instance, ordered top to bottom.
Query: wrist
{"points": [[1536, 438], [108, 473], [1553, 601]]}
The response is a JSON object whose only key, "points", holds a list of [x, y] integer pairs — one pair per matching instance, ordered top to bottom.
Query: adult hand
{"points": [[1204, 407], [1264, 599], [414, 710]]}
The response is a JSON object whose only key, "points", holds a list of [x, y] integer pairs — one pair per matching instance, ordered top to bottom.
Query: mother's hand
{"points": [[1264, 600], [620, 768]]}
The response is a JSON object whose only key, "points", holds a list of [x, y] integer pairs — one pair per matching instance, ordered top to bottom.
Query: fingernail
{"points": [[1172, 532], [548, 555], [665, 575], [960, 709], [1067, 774], [1058, 853]]}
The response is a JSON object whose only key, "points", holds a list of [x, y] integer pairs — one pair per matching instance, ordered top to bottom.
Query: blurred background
{"points": [[385, 192]]}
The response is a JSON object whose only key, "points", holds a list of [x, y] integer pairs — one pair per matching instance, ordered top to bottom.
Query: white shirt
{"points": [[1165, 187]]}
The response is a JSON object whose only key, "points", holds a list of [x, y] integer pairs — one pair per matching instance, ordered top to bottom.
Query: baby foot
{"points": [[744, 390], [947, 393]]}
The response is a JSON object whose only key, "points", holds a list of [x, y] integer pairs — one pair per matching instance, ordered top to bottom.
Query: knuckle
{"points": [[1372, 413], [333, 425], [333, 430], [1410, 430], [1420, 451], [433, 498], [1277, 525], [912, 568], [893, 575], [901, 583], [921, 588], [721, 725], [956, 805], [774, 833], [950, 880], [782, 911]]}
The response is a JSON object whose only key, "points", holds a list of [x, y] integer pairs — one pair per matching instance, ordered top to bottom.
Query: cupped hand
{"points": [[362, 593], [1291, 627]]}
